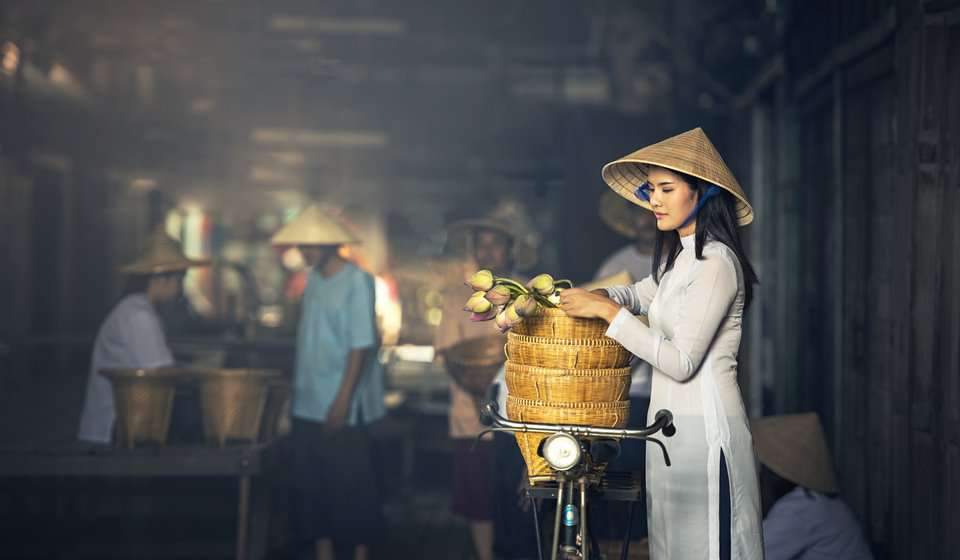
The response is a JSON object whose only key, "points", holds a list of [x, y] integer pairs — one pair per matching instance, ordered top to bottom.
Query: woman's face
{"points": [[672, 200]]}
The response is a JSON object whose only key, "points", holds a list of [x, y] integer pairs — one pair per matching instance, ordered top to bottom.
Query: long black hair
{"points": [[716, 220]]}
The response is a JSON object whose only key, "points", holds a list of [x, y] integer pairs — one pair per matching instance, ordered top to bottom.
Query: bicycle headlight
{"points": [[562, 451]]}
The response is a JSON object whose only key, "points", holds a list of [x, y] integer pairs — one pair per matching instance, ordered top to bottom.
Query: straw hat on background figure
{"points": [[690, 152], [621, 216], [509, 218], [314, 227], [162, 255], [793, 447]]}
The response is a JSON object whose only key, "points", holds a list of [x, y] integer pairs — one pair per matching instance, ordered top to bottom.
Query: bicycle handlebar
{"points": [[663, 422]]}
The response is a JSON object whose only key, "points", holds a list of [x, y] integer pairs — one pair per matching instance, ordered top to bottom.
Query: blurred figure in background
{"points": [[640, 227], [132, 335], [337, 392], [487, 478], [804, 519]]}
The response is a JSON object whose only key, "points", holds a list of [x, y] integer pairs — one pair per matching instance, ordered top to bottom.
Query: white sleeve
{"points": [[709, 295], [635, 298], [144, 337]]}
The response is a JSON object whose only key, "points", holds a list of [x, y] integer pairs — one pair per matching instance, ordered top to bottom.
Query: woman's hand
{"points": [[576, 302]]}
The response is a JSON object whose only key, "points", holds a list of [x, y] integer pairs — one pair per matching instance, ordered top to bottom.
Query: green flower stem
{"points": [[568, 283], [512, 284], [542, 300]]}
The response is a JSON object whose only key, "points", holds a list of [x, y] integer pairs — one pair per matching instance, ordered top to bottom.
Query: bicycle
{"points": [[577, 456]]}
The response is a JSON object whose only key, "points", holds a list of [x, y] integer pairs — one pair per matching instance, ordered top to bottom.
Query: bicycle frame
{"points": [[573, 544]]}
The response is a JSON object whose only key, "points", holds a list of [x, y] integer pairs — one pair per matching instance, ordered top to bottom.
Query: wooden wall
{"points": [[855, 167]]}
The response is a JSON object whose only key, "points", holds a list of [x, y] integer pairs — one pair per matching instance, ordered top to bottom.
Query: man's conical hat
{"points": [[691, 153], [511, 219], [313, 226], [162, 255], [794, 447]]}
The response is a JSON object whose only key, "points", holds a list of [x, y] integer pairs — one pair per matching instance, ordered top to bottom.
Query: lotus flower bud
{"points": [[481, 281], [542, 284], [499, 295], [478, 303], [526, 305], [490, 314], [512, 316], [501, 322]]}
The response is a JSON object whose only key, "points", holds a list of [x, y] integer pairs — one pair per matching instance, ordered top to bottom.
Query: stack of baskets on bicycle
{"points": [[562, 370]]}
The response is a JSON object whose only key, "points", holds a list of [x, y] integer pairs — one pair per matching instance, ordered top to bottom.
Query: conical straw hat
{"points": [[691, 153], [620, 216], [510, 219], [313, 226], [162, 255], [793, 446]]}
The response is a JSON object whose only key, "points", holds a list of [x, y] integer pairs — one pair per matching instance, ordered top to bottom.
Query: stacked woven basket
{"points": [[562, 370], [237, 405]]}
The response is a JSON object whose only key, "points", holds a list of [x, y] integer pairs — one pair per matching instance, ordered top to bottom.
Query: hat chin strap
{"points": [[643, 193]]}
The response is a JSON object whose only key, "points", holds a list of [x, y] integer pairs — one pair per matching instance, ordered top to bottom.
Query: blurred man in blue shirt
{"points": [[337, 392]]}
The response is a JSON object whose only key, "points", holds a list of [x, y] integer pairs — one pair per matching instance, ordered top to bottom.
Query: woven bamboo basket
{"points": [[554, 323], [588, 353], [475, 362], [568, 385], [143, 399], [233, 401], [614, 414]]}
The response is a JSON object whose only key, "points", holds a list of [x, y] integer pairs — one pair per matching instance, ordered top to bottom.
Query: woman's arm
{"points": [[709, 295], [636, 297]]}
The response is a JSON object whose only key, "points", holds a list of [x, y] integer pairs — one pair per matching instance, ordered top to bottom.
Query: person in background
{"points": [[641, 227], [132, 335], [337, 392], [487, 477], [804, 519]]}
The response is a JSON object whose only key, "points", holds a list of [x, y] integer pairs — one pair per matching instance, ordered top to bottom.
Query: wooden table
{"points": [[240, 462]]}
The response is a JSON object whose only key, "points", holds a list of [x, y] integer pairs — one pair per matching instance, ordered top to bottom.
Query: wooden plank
{"points": [[858, 46], [908, 71], [879, 313], [160, 462], [951, 500], [922, 522]]}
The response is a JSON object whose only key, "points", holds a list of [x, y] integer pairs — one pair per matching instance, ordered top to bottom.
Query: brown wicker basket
{"points": [[554, 323], [589, 353], [475, 362], [568, 385], [143, 399], [233, 401], [613, 414]]}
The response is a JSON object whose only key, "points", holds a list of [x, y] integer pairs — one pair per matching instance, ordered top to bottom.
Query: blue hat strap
{"points": [[643, 192], [711, 192]]}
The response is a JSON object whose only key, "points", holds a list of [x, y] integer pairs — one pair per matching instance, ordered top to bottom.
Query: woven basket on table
{"points": [[586, 353], [475, 362], [568, 385], [143, 399], [233, 401], [612, 414]]}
